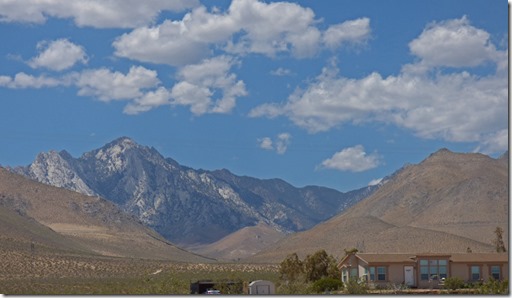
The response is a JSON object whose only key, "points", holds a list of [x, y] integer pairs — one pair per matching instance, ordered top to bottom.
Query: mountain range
{"points": [[450, 202], [191, 208]]}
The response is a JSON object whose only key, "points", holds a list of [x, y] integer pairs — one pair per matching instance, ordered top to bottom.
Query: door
{"points": [[409, 275], [262, 290]]}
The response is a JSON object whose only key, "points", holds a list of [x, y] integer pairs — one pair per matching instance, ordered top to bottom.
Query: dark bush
{"points": [[453, 283], [327, 284], [356, 287], [494, 287]]}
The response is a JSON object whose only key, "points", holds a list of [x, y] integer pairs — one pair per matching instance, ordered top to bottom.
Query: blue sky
{"points": [[337, 93]]}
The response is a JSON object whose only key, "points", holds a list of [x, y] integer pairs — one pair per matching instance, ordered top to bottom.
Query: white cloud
{"points": [[94, 13], [248, 26], [274, 27], [354, 31], [167, 43], [453, 43], [58, 55], [281, 72], [22, 80], [107, 85], [198, 85], [206, 87], [148, 101], [456, 106], [266, 143], [494, 143], [280, 144], [352, 159], [375, 182]]}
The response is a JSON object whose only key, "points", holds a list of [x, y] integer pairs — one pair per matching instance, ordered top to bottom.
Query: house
{"points": [[427, 270]]}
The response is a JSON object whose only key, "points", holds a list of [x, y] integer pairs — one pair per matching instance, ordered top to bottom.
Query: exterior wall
{"points": [[463, 271], [394, 274]]}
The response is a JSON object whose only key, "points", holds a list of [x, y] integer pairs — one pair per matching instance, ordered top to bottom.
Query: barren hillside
{"points": [[447, 203], [47, 216], [241, 244]]}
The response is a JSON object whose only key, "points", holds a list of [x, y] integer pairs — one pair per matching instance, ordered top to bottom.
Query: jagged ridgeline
{"points": [[188, 206]]}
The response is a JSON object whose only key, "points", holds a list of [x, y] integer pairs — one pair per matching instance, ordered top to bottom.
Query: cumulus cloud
{"points": [[94, 13], [248, 26], [354, 31], [167, 43], [453, 43], [58, 55], [22, 80], [108, 85], [198, 85], [206, 87], [148, 101], [455, 106], [495, 142], [266, 143], [280, 144], [353, 159]]}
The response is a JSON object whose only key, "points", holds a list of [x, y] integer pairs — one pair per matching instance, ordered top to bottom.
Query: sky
{"points": [[335, 93]]}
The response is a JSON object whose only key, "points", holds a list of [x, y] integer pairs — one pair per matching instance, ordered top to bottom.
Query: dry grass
{"points": [[42, 272]]}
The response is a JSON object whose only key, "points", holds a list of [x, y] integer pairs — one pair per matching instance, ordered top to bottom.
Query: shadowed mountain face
{"points": [[448, 203], [184, 205], [58, 221]]}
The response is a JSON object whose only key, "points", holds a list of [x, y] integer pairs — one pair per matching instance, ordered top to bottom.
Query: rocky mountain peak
{"points": [[440, 153], [55, 168]]}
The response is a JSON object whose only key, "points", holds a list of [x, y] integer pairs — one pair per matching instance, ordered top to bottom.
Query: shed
{"points": [[262, 287]]}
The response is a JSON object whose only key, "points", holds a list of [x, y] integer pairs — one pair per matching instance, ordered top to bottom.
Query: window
{"points": [[443, 268], [424, 269], [433, 269], [475, 272], [496, 272], [353, 273], [372, 273], [378, 273], [381, 273], [344, 275]]}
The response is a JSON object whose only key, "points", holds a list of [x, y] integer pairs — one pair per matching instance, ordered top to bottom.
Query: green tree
{"points": [[500, 245], [320, 265], [291, 268]]}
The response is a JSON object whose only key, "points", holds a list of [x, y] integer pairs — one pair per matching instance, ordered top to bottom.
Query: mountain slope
{"points": [[447, 203], [187, 206], [66, 220], [240, 244]]}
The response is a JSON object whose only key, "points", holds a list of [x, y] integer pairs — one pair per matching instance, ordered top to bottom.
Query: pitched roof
{"points": [[411, 257], [479, 257], [386, 258]]}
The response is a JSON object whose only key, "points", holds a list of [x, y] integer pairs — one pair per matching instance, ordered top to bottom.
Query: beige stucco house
{"points": [[423, 270]]}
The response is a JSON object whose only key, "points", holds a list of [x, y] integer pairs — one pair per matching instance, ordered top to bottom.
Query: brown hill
{"points": [[447, 203], [38, 215], [241, 244]]}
